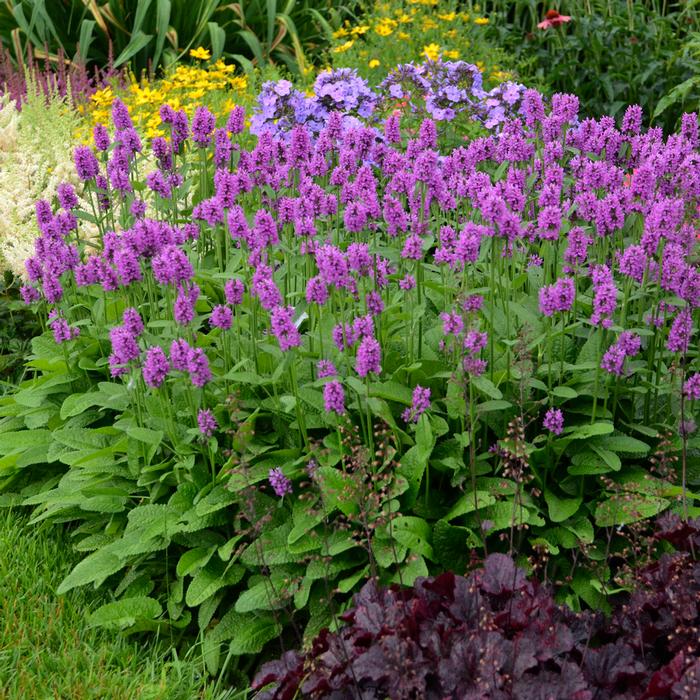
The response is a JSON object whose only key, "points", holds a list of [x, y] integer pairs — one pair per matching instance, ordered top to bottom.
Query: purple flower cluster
{"points": [[558, 296], [627, 345], [419, 405], [554, 421], [206, 422], [281, 485]]}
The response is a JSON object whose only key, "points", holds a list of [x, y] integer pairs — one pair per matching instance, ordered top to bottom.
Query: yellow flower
{"points": [[447, 16], [403, 18], [481, 20], [429, 24], [362, 29], [340, 33], [452, 34], [403, 36], [344, 47], [432, 52], [201, 53], [451, 54], [373, 63], [480, 65]]}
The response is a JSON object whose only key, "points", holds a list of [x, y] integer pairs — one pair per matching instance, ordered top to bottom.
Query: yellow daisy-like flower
{"points": [[447, 16], [481, 20], [429, 24], [361, 29], [340, 33], [403, 36], [344, 47], [432, 52], [201, 53], [454, 54], [373, 63]]}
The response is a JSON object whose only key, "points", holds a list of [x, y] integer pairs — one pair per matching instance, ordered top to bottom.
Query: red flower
{"points": [[553, 19]]}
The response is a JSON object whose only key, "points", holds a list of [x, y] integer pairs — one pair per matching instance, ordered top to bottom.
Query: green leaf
{"points": [[138, 41], [486, 386], [564, 392], [583, 432], [623, 444], [338, 490], [469, 502], [628, 508], [560, 509], [414, 533], [194, 559], [95, 568], [210, 579], [270, 594], [124, 613], [249, 631]]}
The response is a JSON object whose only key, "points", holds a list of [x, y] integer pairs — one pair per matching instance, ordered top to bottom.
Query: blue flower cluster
{"points": [[439, 89]]}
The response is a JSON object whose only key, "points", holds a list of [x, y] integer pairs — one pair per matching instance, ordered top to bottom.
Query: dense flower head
{"points": [[203, 124], [86, 164], [234, 290], [558, 296], [221, 317], [282, 323], [62, 330], [627, 345], [368, 356], [155, 367], [198, 367], [325, 368], [691, 387], [334, 397], [419, 405], [554, 421], [206, 422], [281, 485]]}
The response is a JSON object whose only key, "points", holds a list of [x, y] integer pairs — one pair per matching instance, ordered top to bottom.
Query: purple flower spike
{"points": [[86, 164], [221, 317], [283, 327], [368, 357], [155, 367], [691, 388], [334, 398], [419, 405], [554, 421], [207, 423], [281, 485]]}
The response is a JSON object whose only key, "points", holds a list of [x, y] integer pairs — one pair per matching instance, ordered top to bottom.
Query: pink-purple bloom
{"points": [[155, 367], [334, 397], [419, 405], [554, 421], [206, 422], [281, 485]]}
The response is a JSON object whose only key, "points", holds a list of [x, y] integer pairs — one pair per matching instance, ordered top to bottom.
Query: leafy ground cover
{"points": [[47, 646]]}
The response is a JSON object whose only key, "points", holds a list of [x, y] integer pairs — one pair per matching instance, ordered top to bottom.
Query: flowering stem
{"points": [[297, 402]]}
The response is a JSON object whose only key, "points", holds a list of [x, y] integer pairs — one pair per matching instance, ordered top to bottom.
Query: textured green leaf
{"points": [[628, 508], [560, 509], [95, 568], [210, 579], [124, 613], [249, 631]]}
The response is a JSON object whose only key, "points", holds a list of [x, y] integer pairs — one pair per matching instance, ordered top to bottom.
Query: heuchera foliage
{"points": [[498, 635]]}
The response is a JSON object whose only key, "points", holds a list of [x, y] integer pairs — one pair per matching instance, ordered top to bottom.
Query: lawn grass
{"points": [[47, 649]]}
